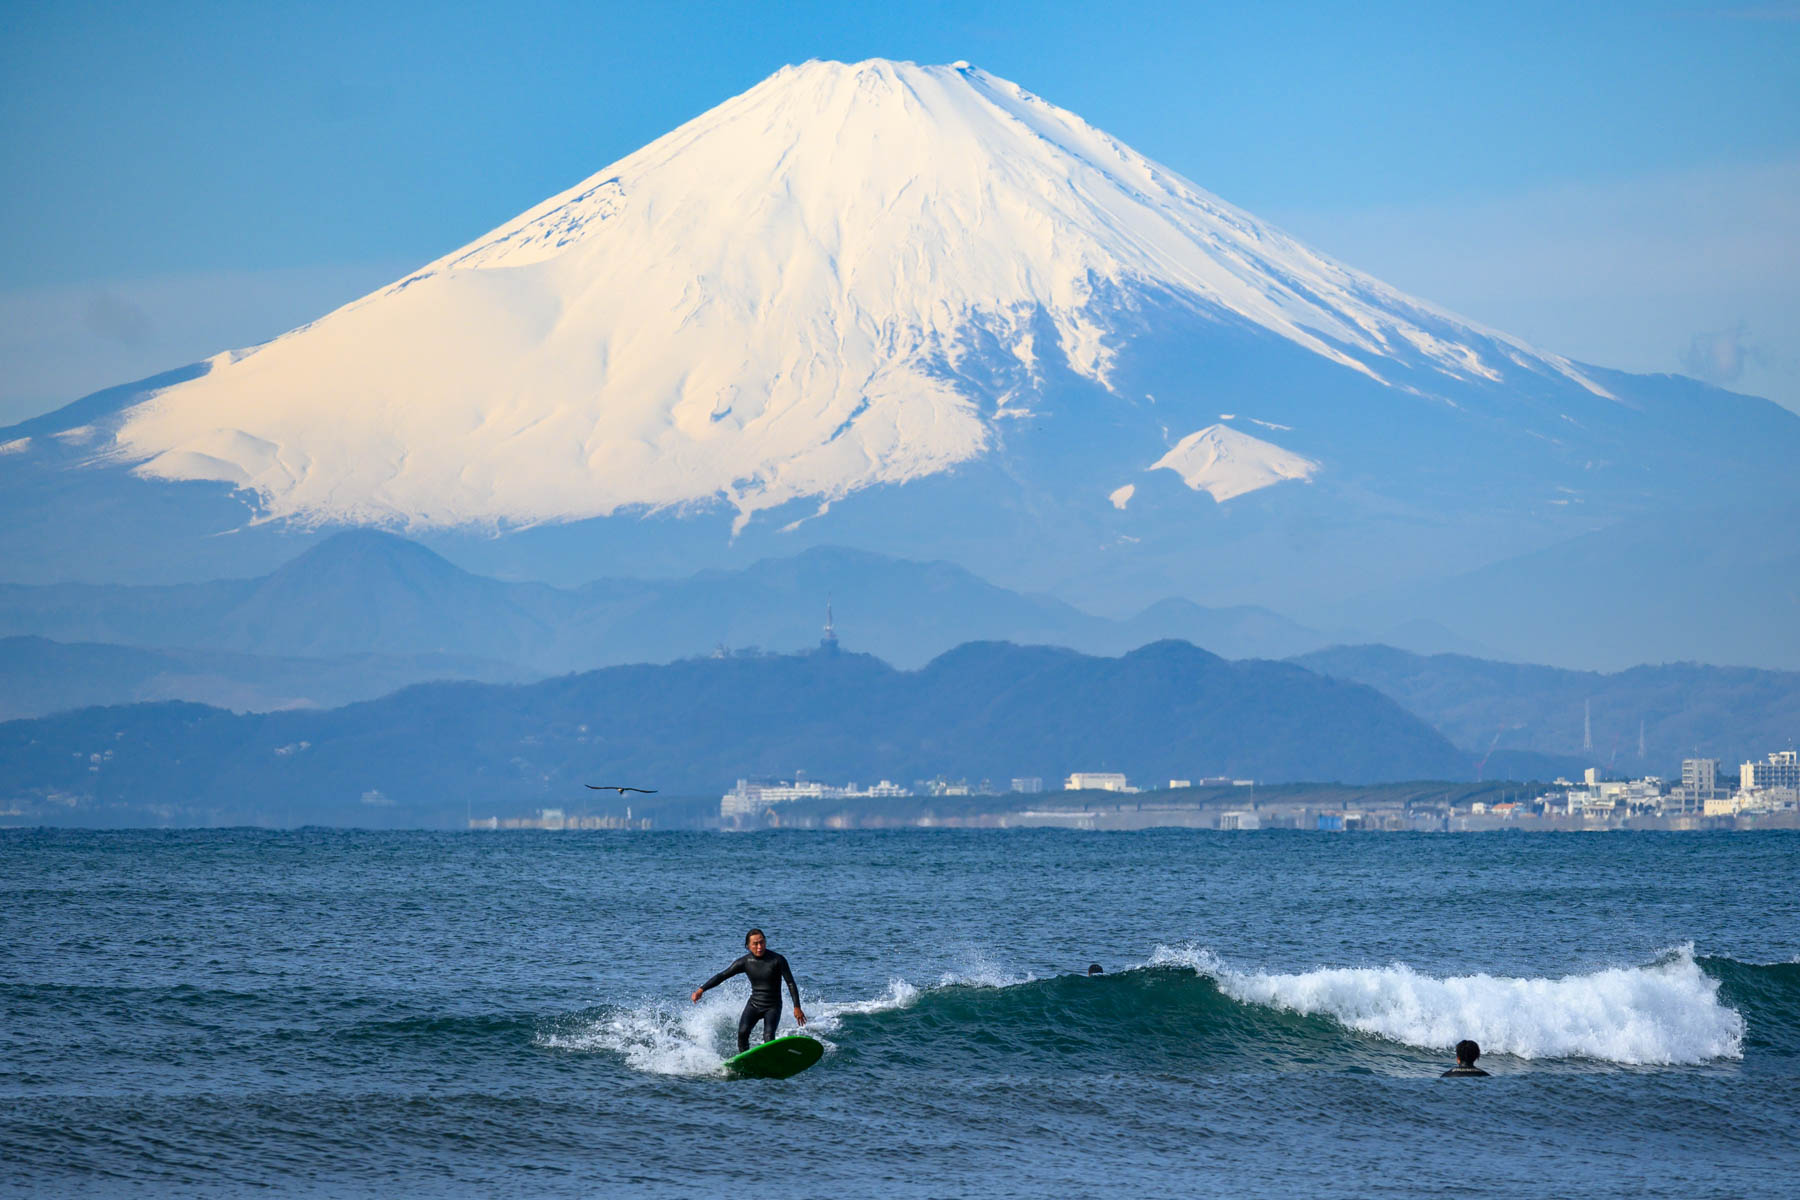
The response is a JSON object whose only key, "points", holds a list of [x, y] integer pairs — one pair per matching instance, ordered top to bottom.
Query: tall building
{"points": [[829, 643], [1702, 774], [1699, 784]]}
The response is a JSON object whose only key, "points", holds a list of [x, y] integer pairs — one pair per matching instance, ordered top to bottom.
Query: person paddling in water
{"points": [[765, 970], [1466, 1054]]}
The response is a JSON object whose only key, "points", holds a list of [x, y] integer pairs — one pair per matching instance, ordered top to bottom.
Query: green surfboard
{"points": [[777, 1059]]}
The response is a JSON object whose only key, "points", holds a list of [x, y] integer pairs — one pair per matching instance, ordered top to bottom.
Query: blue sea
{"points": [[330, 1013]]}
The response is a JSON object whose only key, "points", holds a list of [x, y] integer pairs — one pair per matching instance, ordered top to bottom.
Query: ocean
{"points": [[216, 1013]]}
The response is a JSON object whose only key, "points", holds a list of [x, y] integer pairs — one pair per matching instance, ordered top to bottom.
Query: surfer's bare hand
{"points": [[697, 993], [798, 1015]]}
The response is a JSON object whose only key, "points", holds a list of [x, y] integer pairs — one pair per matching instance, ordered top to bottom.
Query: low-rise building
{"points": [[1096, 781]]}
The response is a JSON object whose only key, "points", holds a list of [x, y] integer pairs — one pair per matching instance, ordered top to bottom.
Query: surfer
{"points": [[765, 970], [1466, 1054]]}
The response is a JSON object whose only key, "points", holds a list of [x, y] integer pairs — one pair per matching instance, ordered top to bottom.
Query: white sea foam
{"points": [[1665, 1013], [659, 1036], [666, 1037]]}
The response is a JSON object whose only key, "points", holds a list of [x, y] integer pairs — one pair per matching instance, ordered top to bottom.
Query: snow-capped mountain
{"points": [[776, 301], [920, 311]]}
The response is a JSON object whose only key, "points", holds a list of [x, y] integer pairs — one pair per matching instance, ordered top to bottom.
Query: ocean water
{"points": [[355, 1014]]}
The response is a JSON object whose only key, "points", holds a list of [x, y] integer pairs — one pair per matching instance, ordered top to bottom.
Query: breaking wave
{"points": [[1188, 1007], [1663, 1014]]}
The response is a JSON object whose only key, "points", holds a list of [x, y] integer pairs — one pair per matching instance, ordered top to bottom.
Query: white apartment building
{"points": [[1780, 770], [1095, 781], [749, 799]]}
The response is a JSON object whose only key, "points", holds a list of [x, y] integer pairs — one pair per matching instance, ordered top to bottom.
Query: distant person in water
{"points": [[765, 970], [1466, 1054]]}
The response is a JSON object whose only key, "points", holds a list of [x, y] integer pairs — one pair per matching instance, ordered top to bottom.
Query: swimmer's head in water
{"points": [[755, 942], [1096, 969], [1466, 1053]]}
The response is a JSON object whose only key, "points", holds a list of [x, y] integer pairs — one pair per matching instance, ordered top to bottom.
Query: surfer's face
{"points": [[756, 944]]}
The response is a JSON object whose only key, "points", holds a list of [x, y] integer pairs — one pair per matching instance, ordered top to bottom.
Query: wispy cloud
{"points": [[116, 319], [1721, 357]]}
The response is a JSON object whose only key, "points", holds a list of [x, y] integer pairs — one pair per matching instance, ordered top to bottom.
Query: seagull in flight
{"points": [[613, 787]]}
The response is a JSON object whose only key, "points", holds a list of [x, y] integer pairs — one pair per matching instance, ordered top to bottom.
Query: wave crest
{"points": [[1664, 1014]]}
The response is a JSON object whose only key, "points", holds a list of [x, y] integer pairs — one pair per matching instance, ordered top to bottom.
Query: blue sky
{"points": [[1619, 182]]}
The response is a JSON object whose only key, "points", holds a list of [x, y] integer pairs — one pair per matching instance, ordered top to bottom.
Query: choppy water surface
{"points": [[506, 1014]]}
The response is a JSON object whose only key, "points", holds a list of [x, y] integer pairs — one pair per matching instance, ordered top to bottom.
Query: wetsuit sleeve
{"points": [[736, 968], [787, 973]]}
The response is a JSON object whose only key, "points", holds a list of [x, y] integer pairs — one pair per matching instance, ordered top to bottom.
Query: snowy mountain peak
{"points": [[849, 275], [1225, 463]]}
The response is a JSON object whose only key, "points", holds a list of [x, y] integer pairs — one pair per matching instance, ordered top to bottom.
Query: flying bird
{"points": [[613, 787]]}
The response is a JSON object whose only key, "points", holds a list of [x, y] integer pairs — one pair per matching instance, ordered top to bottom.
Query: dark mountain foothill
{"points": [[428, 754]]}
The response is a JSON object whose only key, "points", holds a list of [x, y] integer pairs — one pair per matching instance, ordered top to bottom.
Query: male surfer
{"points": [[765, 970], [1466, 1054]]}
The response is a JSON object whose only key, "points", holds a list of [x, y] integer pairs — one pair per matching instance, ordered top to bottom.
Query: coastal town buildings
{"points": [[752, 798]]}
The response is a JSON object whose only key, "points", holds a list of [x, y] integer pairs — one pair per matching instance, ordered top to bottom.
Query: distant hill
{"points": [[1719, 585], [365, 593], [38, 677], [1684, 709], [431, 753]]}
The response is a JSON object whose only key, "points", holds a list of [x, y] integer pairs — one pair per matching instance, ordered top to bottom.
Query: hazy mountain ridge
{"points": [[365, 592], [1606, 599], [364, 614], [39, 677], [1682, 709], [427, 754]]}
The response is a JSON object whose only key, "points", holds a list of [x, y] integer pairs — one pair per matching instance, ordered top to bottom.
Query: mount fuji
{"points": [[921, 311]]}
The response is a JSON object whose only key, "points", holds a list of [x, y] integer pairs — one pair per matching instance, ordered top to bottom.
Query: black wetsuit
{"points": [[765, 975], [1459, 1071]]}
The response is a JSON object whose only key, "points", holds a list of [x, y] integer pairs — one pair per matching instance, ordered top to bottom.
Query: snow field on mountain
{"points": [[780, 299], [1224, 463]]}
